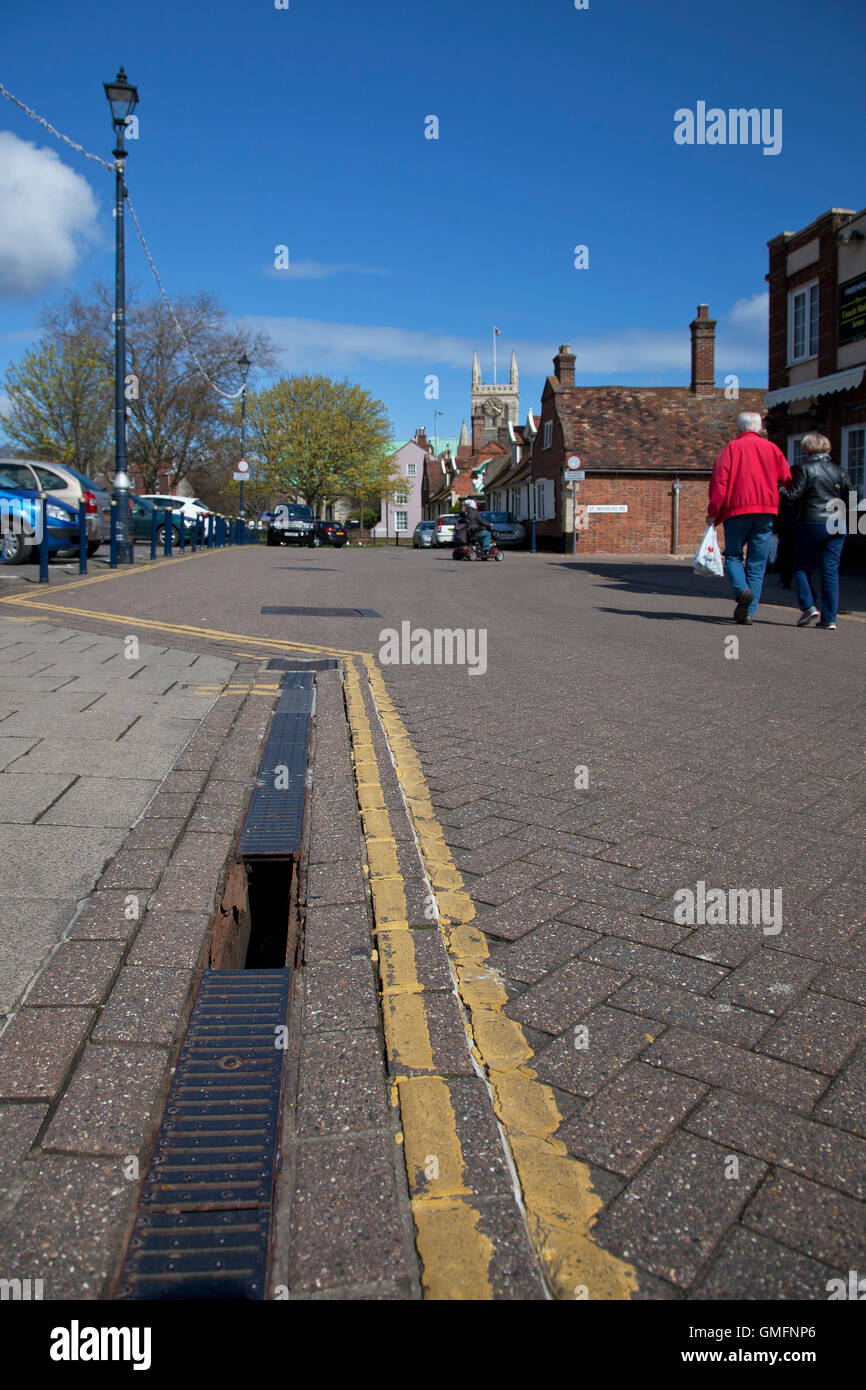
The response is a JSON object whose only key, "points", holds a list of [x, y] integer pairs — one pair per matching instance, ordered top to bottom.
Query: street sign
{"points": [[572, 461], [243, 467], [574, 475], [241, 477], [599, 507]]}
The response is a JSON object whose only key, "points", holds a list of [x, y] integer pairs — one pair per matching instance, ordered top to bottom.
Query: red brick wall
{"points": [[647, 527]]}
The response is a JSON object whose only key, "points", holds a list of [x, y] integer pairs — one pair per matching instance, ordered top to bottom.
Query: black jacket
{"points": [[817, 482], [474, 523]]}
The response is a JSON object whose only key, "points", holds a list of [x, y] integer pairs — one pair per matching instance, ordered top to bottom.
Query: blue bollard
{"points": [[210, 528], [167, 533], [182, 533], [153, 535], [82, 538], [43, 541], [112, 544]]}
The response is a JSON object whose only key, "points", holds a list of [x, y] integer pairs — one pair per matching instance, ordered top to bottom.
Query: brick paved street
{"points": [[709, 1076]]}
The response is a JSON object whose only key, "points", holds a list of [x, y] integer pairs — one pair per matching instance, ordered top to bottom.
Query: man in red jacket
{"points": [[744, 498]]}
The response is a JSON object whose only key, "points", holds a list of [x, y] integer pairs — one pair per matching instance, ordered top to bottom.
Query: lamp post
{"points": [[123, 99], [244, 363], [436, 414]]}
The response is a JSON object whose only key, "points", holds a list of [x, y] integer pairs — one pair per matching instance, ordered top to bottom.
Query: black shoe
{"points": [[741, 612]]}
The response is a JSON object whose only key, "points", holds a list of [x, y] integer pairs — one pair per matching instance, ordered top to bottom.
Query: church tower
{"points": [[495, 401]]}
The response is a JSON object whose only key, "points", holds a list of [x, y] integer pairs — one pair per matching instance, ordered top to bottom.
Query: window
{"points": [[803, 323], [548, 433], [795, 449], [854, 457], [410, 470], [20, 476], [50, 481], [400, 497], [401, 520]]}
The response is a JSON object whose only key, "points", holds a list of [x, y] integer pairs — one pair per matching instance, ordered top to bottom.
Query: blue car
{"points": [[20, 522]]}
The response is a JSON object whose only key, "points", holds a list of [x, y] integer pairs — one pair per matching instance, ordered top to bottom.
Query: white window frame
{"points": [[810, 290], [548, 434], [793, 441], [410, 470], [858, 480], [401, 498], [401, 521]]}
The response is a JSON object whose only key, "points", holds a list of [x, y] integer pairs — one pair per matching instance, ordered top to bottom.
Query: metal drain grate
{"points": [[325, 612], [282, 663], [274, 821], [202, 1225]]}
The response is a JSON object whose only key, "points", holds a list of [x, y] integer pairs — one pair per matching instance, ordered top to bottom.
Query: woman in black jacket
{"points": [[819, 488]]}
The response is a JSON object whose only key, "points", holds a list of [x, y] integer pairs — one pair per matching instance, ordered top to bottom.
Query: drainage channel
{"points": [[203, 1220]]}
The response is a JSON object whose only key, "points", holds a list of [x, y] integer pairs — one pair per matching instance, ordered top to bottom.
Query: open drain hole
{"points": [[256, 924]]}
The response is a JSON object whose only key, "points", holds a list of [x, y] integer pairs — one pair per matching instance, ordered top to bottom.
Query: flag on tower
{"points": [[496, 331]]}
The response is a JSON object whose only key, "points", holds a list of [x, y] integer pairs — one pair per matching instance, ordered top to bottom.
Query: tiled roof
{"points": [[623, 427]]}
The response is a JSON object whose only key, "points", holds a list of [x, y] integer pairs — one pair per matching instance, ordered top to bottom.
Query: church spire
{"points": [[476, 370], [514, 378], [464, 435]]}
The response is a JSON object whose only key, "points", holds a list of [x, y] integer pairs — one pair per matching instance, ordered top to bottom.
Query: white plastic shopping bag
{"points": [[708, 559]]}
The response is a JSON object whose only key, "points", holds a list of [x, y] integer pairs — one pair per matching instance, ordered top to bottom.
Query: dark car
{"points": [[292, 521], [142, 522], [20, 523], [506, 528], [330, 533]]}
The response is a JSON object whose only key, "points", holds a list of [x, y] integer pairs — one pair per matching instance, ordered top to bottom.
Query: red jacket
{"points": [[746, 478]]}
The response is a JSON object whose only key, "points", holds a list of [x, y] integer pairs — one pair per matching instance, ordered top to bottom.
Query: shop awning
{"points": [[821, 386]]}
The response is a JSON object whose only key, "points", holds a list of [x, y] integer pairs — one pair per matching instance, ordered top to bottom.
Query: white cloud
{"points": [[46, 212], [318, 345]]}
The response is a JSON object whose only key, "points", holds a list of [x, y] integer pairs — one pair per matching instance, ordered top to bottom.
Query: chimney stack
{"points": [[703, 353], [563, 365], [477, 432], [502, 434], [421, 437]]}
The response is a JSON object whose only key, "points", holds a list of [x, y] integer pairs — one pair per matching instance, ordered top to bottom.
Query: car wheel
{"points": [[272, 540], [93, 546], [16, 550], [499, 555]]}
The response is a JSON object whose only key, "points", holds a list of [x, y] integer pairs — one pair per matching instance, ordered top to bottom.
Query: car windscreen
{"points": [[294, 511], [496, 518]]}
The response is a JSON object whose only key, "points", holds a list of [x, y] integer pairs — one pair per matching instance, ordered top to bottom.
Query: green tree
{"points": [[60, 403], [319, 439]]}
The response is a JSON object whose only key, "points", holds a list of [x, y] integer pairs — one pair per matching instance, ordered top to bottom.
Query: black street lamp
{"points": [[123, 99], [244, 363]]}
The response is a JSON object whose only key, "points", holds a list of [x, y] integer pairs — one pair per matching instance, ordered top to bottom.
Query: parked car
{"points": [[65, 484], [191, 507], [292, 521], [19, 522], [142, 522], [445, 528], [507, 530], [329, 533], [424, 535]]}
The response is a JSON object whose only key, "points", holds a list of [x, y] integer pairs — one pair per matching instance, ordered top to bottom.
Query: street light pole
{"points": [[123, 100], [244, 363]]}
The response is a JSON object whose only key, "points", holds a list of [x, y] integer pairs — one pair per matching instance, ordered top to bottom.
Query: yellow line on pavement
{"points": [[122, 572], [182, 629], [557, 1190], [455, 1254]]}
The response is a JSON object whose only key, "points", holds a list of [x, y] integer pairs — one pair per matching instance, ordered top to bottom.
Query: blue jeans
{"points": [[751, 533], [485, 539], [814, 543]]}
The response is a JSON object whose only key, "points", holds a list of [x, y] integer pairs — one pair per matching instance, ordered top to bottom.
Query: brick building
{"points": [[817, 280], [648, 453]]}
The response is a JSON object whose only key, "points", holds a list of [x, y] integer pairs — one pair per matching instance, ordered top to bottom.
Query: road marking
{"points": [[560, 1203], [455, 1254]]}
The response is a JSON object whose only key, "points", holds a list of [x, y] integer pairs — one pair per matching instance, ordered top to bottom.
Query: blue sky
{"points": [[305, 127]]}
